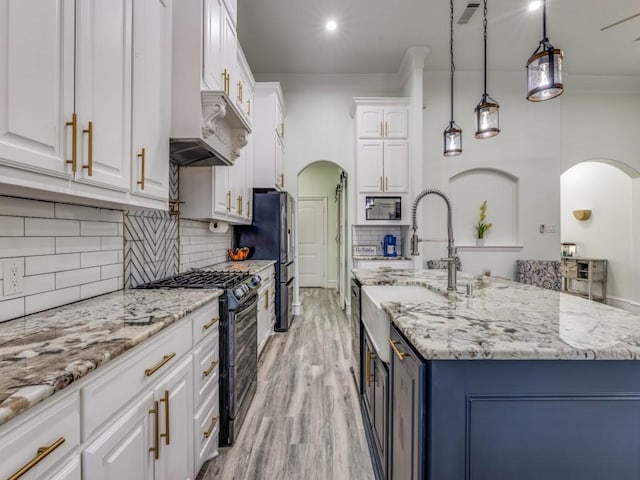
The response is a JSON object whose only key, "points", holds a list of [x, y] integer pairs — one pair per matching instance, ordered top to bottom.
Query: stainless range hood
{"points": [[207, 127]]}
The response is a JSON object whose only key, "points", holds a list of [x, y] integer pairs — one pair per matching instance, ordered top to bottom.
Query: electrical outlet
{"points": [[13, 276]]}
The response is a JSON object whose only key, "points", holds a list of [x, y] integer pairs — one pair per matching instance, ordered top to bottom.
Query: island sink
{"points": [[376, 320]]}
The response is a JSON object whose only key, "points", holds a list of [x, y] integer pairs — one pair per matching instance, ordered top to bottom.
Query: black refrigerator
{"points": [[270, 237]]}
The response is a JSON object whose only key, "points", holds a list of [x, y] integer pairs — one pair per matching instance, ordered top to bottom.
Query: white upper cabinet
{"points": [[232, 8], [219, 52], [36, 85], [84, 86], [151, 89], [103, 92], [382, 121], [268, 134], [370, 157], [396, 166]]}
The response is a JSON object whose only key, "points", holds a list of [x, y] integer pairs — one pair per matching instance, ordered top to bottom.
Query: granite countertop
{"points": [[248, 266], [506, 320], [45, 352]]}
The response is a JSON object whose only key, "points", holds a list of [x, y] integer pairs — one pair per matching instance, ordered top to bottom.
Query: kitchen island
{"points": [[512, 382]]}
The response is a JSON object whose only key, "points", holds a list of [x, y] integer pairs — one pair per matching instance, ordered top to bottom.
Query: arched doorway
{"points": [[611, 190], [322, 207]]}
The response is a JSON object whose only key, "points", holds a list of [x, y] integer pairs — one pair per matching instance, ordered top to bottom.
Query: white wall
{"points": [[320, 180], [607, 192]]}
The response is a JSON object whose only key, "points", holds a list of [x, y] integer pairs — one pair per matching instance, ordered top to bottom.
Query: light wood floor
{"points": [[305, 420]]}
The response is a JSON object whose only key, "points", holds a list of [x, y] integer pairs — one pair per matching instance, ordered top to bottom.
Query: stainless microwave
{"points": [[383, 208]]}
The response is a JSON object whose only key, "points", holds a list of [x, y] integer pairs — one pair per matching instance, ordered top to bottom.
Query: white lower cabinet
{"points": [[266, 307], [37, 444], [122, 450], [69, 471]]}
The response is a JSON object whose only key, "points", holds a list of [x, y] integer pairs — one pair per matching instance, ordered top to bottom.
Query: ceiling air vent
{"points": [[468, 12]]}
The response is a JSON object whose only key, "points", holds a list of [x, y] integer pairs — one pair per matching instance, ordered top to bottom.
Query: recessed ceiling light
{"points": [[535, 5], [331, 25]]}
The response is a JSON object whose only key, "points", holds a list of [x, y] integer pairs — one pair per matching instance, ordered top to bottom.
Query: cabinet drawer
{"points": [[205, 321], [207, 369], [115, 386], [206, 427], [56, 428]]}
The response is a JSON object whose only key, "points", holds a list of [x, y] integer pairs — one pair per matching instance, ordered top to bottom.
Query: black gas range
{"points": [[238, 339]]}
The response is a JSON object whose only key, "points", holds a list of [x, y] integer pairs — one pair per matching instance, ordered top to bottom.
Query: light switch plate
{"points": [[13, 277]]}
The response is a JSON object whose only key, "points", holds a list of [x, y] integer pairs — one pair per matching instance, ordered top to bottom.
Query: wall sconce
{"points": [[582, 214]]}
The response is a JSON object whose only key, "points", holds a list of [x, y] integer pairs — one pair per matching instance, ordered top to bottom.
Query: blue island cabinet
{"points": [[512, 419]]}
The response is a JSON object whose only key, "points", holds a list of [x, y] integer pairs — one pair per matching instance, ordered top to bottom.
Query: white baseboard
{"points": [[332, 284], [625, 304], [348, 307], [296, 309]]}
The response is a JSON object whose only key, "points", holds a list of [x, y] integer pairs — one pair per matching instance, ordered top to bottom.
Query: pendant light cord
{"points": [[544, 21], [484, 23], [453, 67]]}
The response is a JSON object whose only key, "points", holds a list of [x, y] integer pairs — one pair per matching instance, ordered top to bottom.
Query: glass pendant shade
{"points": [[544, 74], [487, 118], [452, 140]]}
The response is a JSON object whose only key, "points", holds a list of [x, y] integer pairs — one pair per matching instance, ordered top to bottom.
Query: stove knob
{"points": [[255, 280], [238, 292]]}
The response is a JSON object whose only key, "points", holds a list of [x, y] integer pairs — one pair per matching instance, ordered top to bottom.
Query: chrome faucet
{"points": [[451, 250]]}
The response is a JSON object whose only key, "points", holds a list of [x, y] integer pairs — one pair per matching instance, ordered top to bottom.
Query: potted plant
{"points": [[482, 227]]}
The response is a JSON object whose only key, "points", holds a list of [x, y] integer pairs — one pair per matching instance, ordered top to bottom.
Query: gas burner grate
{"points": [[199, 279]]}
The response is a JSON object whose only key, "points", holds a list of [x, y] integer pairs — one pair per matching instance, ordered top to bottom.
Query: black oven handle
{"points": [[248, 306]]}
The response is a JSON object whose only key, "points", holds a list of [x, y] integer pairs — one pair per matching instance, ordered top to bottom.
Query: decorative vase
{"points": [[479, 242]]}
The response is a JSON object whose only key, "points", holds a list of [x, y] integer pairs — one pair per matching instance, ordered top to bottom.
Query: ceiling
{"points": [[288, 36]]}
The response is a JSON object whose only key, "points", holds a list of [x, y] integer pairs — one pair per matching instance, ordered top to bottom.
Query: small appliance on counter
{"points": [[389, 246]]}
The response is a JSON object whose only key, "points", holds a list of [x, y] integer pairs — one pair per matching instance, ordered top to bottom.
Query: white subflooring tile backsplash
{"points": [[199, 247], [68, 253]]}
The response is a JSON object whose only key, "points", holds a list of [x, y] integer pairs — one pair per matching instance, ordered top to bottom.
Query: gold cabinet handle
{"points": [[224, 80], [239, 91], [249, 107], [386, 129], [381, 130], [74, 141], [141, 156], [89, 165], [282, 180], [386, 183], [381, 184], [229, 201], [240, 203], [249, 208], [266, 300], [213, 321], [400, 354], [150, 371], [208, 371], [165, 400], [208, 433], [156, 439], [43, 452]]}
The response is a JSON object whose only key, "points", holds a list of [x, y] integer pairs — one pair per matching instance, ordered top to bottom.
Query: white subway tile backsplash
{"points": [[22, 207], [76, 212], [111, 215], [11, 226], [45, 227], [88, 229], [112, 243], [77, 244], [25, 246], [63, 247], [199, 247], [94, 259], [51, 263], [111, 271], [77, 277], [100, 288], [55, 298], [11, 309]]}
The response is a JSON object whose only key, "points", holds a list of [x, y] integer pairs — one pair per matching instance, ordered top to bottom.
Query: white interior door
{"points": [[312, 241]]}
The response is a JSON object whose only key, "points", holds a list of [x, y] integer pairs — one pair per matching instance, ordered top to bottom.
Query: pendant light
{"points": [[544, 68], [487, 117], [453, 133]]}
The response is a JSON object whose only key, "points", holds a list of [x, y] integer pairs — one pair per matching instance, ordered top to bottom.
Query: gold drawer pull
{"points": [[249, 107], [74, 141], [89, 165], [213, 321], [397, 352], [150, 371], [208, 371], [165, 399], [214, 421], [156, 440], [43, 452]]}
